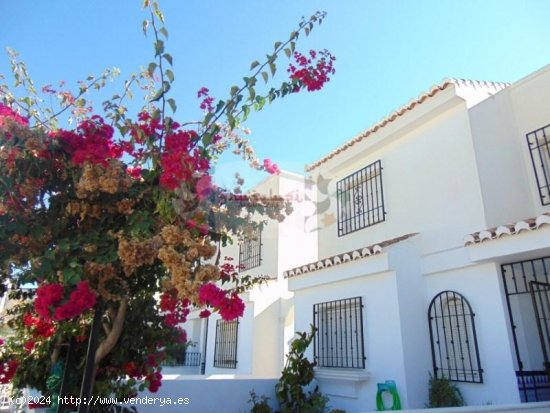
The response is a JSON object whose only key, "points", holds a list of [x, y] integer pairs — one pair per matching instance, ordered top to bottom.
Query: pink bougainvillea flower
{"points": [[310, 73], [7, 113], [271, 167], [135, 173], [203, 187], [205, 314]]}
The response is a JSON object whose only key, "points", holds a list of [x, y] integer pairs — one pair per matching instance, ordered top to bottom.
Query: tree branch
{"points": [[112, 338]]}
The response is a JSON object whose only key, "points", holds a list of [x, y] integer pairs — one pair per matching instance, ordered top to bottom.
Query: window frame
{"points": [[541, 165], [363, 187], [250, 251], [225, 348], [325, 354], [452, 360]]}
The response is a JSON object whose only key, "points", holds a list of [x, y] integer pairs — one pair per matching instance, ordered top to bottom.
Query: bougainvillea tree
{"points": [[119, 217]]}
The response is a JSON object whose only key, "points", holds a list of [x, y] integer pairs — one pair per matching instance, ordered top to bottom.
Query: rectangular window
{"points": [[539, 146], [360, 199], [250, 251], [339, 337], [225, 347]]}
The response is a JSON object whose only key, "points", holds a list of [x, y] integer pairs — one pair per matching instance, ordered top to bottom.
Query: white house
{"points": [[428, 251], [409, 280], [255, 344]]}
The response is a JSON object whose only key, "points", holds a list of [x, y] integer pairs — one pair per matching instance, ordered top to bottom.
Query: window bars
{"points": [[539, 146], [360, 199], [250, 251], [527, 288], [339, 339], [225, 346], [455, 354]]}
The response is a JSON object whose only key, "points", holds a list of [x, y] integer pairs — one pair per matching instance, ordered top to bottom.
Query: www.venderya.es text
{"points": [[97, 400]]}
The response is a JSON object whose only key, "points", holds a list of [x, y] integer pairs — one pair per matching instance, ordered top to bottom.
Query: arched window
{"points": [[455, 353]]}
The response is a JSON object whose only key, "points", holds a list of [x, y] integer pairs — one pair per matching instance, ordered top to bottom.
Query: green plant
{"points": [[110, 232], [297, 374], [443, 393], [260, 404]]}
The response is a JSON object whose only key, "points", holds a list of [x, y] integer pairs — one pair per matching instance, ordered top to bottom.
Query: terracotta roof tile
{"points": [[494, 86], [531, 224], [345, 257]]}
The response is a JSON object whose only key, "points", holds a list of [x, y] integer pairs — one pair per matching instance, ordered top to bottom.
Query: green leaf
{"points": [[145, 3], [159, 14], [145, 25], [307, 30], [164, 32], [277, 45], [292, 46], [159, 47], [288, 52], [168, 58], [254, 64], [151, 68], [272, 68], [169, 75], [265, 76], [234, 90], [252, 93], [157, 95], [261, 102], [172, 104], [220, 105], [246, 112], [207, 118], [232, 121], [72, 276]]}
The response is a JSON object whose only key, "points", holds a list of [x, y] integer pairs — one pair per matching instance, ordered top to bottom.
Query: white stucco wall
{"points": [[532, 111], [499, 126], [429, 179], [376, 284], [480, 285]]}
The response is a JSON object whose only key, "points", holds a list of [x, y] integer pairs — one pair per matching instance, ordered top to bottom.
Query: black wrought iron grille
{"points": [[539, 145], [360, 199], [250, 251], [527, 288], [339, 341], [225, 347], [455, 354], [534, 386]]}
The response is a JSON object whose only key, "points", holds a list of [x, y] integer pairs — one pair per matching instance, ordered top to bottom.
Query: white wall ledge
{"points": [[352, 375], [341, 382]]}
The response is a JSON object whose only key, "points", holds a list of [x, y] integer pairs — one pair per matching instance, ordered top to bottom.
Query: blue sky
{"points": [[387, 52]]}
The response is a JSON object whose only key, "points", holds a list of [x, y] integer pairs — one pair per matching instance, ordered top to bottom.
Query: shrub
{"points": [[443, 393], [259, 403]]}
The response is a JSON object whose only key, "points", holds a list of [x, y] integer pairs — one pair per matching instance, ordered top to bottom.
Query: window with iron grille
{"points": [[539, 145], [360, 199], [250, 250], [339, 339], [225, 347], [455, 354]]}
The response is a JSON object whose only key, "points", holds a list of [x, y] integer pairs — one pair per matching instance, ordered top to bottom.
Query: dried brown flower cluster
{"points": [[97, 178], [125, 206], [84, 209], [173, 235], [134, 254], [182, 255], [107, 280]]}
